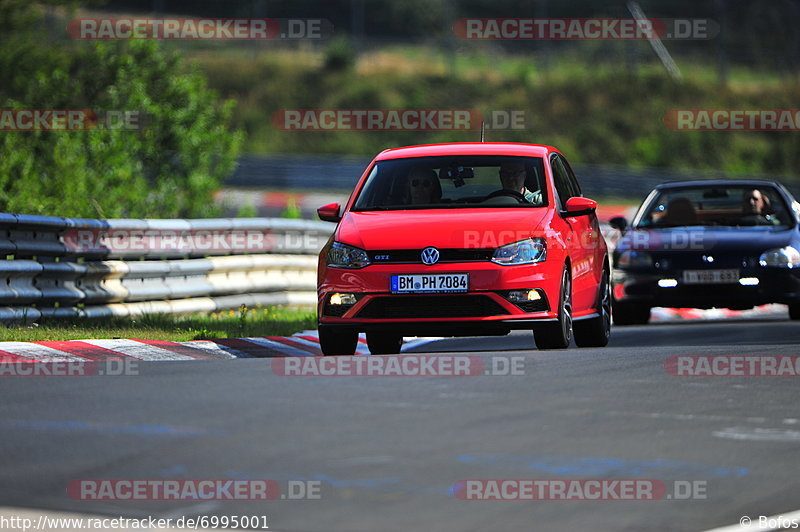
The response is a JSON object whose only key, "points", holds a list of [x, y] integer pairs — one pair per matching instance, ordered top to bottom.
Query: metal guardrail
{"points": [[69, 267]]}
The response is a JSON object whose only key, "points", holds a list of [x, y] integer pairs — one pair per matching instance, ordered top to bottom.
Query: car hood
{"points": [[441, 228], [719, 240]]}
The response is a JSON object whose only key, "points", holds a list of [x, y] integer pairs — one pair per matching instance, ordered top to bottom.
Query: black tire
{"points": [[794, 311], [630, 313], [595, 332], [559, 334], [337, 342], [384, 343]]}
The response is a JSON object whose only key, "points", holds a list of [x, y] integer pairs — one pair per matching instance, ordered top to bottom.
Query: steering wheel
{"points": [[503, 192], [754, 219]]}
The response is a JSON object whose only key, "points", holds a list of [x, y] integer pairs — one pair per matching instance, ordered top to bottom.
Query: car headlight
{"points": [[523, 252], [344, 256], [787, 257], [635, 259]]}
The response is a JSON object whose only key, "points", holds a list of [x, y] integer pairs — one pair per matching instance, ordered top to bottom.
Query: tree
{"points": [[168, 165]]}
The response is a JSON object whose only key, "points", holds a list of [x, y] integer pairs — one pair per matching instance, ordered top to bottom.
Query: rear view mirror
{"points": [[457, 173], [715, 193], [579, 206], [329, 212], [620, 223]]}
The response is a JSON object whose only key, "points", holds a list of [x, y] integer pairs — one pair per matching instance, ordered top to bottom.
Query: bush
{"points": [[340, 55], [169, 167]]}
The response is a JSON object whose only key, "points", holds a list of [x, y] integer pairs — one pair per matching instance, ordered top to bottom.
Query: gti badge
{"points": [[430, 256]]}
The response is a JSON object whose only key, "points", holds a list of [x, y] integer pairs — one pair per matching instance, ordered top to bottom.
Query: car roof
{"points": [[468, 148], [717, 183]]}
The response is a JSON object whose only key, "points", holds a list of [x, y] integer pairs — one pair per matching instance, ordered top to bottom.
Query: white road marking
{"points": [[303, 341], [409, 343], [279, 347], [213, 349], [138, 350], [37, 352], [757, 434]]}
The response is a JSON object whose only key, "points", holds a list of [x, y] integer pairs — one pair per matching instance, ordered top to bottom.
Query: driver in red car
{"points": [[512, 176]]}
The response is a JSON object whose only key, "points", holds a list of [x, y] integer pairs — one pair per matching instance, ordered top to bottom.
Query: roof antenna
{"points": [[483, 131]]}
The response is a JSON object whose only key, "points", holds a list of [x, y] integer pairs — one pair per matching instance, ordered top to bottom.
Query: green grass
{"points": [[583, 61], [586, 101], [266, 321]]}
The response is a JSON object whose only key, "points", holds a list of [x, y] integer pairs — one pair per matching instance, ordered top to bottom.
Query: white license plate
{"points": [[710, 276], [430, 283]]}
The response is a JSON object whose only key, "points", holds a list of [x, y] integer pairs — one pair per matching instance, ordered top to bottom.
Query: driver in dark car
{"points": [[512, 176], [756, 208]]}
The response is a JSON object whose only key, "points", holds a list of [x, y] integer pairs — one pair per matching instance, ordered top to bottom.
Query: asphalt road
{"points": [[386, 450]]}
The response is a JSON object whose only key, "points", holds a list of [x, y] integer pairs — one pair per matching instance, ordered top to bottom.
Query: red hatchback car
{"points": [[464, 239]]}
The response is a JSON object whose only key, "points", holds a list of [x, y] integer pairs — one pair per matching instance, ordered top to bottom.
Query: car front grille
{"points": [[394, 256], [461, 306]]}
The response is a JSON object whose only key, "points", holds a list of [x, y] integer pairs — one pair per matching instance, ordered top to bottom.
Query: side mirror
{"points": [[578, 206], [329, 212], [619, 223]]}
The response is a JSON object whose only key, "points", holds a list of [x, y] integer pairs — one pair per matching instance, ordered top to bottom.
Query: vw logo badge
{"points": [[430, 256]]}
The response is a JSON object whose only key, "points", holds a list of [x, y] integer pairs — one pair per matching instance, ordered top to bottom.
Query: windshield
{"points": [[454, 182], [727, 206]]}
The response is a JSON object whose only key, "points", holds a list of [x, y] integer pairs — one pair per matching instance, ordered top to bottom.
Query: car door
{"points": [[583, 234]]}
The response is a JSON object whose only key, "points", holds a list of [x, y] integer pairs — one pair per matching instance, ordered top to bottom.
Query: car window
{"points": [[573, 181], [451, 182], [562, 182], [721, 206]]}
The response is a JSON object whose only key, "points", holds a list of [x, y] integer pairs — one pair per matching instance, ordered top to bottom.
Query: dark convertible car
{"points": [[705, 244]]}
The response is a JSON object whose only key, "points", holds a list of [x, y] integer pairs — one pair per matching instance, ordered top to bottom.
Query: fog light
{"points": [[748, 281], [667, 283], [524, 295], [343, 299], [528, 301]]}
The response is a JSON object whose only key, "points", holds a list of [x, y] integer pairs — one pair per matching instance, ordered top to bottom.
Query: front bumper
{"points": [[775, 285], [483, 310]]}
